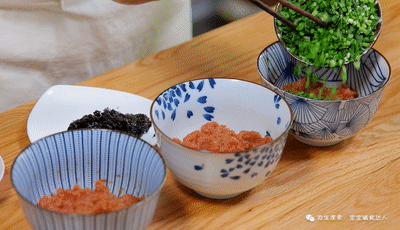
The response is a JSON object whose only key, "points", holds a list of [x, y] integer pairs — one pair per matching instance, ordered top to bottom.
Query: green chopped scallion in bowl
{"points": [[352, 29]]}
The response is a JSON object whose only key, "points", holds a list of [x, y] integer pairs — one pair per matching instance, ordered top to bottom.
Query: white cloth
{"points": [[48, 42]]}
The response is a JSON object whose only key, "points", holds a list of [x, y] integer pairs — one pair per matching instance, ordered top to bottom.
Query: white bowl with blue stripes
{"points": [[240, 105], [325, 123], [128, 164]]}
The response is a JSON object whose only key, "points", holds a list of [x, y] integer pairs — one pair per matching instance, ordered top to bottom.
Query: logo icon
{"points": [[310, 218]]}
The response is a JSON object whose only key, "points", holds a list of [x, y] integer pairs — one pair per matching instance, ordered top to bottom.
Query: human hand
{"points": [[133, 2]]}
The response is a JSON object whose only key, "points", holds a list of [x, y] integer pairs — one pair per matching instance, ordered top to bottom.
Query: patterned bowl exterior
{"points": [[238, 104], [324, 123], [82, 157]]}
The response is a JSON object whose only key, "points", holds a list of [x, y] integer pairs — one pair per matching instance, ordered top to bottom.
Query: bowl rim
{"points": [[378, 33], [275, 88], [281, 136], [2, 168], [135, 205]]}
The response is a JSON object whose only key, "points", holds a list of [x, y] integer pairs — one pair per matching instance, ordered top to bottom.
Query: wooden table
{"points": [[357, 178]]}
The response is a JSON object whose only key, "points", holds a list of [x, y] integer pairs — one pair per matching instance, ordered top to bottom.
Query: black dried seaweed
{"points": [[133, 124]]}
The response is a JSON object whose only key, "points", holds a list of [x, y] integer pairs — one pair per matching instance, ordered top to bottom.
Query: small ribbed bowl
{"points": [[378, 31], [240, 105], [320, 122], [128, 164]]}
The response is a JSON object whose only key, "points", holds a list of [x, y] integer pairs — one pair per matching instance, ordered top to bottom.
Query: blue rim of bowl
{"points": [[378, 33], [275, 88], [224, 153], [138, 204]]}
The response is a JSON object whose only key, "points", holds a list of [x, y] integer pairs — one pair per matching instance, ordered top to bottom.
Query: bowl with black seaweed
{"points": [[327, 122]]}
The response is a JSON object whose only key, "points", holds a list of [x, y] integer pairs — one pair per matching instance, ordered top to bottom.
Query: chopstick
{"points": [[290, 5], [272, 12], [302, 12]]}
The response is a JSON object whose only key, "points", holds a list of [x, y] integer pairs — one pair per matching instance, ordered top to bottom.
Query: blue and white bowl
{"points": [[240, 105], [324, 123], [130, 166]]}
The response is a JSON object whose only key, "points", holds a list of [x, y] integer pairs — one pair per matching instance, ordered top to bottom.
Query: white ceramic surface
{"points": [[62, 104], [240, 105], [2, 168]]}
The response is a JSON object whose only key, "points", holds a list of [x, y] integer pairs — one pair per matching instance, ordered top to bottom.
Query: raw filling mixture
{"points": [[318, 90], [214, 137], [87, 201]]}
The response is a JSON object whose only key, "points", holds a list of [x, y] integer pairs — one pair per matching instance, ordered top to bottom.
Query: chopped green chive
{"points": [[351, 30]]}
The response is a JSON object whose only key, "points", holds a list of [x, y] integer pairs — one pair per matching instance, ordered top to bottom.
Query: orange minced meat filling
{"points": [[214, 137], [87, 201]]}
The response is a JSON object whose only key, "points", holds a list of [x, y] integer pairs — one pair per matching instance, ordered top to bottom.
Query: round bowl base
{"points": [[317, 143], [219, 197]]}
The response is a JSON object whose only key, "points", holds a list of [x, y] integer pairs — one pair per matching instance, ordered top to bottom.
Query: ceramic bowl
{"points": [[378, 31], [240, 105], [324, 123], [130, 166]]}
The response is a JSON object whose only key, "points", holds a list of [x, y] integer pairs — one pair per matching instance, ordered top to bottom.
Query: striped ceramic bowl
{"points": [[325, 123], [129, 165]]}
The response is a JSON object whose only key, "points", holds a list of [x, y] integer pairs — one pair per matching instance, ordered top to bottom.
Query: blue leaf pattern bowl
{"points": [[240, 105], [324, 123], [130, 166]]}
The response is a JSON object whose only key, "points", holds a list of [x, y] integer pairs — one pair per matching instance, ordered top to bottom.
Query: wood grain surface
{"points": [[357, 178]]}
